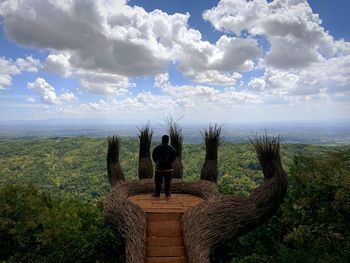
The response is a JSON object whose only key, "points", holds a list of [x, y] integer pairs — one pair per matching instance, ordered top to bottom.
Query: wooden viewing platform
{"points": [[164, 232]]}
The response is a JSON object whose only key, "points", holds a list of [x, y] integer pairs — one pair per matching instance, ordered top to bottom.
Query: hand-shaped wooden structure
{"points": [[213, 221]]}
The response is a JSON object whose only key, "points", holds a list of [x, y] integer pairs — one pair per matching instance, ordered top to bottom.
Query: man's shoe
{"points": [[155, 195], [168, 198]]}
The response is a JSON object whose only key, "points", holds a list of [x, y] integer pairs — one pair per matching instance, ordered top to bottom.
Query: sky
{"points": [[206, 61]]}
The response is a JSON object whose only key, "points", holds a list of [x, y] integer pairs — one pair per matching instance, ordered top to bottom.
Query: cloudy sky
{"points": [[209, 61]]}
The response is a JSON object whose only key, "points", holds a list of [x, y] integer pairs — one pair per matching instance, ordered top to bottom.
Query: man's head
{"points": [[165, 139]]}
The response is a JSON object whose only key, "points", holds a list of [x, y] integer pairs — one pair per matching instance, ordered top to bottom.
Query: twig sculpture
{"points": [[212, 138], [176, 140], [145, 163], [114, 170], [210, 223]]}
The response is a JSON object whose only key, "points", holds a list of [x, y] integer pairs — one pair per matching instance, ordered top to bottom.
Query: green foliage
{"points": [[76, 167], [67, 224], [313, 224], [35, 228]]}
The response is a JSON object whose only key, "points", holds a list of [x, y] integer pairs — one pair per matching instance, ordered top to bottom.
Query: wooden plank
{"points": [[174, 197], [152, 203], [168, 206], [164, 210], [156, 217], [164, 229], [164, 233], [164, 241], [165, 251], [166, 260]]}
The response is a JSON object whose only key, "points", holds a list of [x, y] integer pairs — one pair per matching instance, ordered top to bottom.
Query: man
{"points": [[163, 155]]}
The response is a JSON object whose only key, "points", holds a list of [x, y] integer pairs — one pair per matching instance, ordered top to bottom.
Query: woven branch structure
{"points": [[212, 138], [176, 140], [145, 168], [115, 173], [130, 220], [210, 223]]}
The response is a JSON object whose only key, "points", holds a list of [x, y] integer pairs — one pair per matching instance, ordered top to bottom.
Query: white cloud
{"points": [[295, 33], [119, 40], [123, 40], [104, 43], [291, 52], [58, 63], [303, 63], [28, 64], [217, 64], [9, 68], [330, 76], [214, 77], [5, 80], [328, 80], [94, 81], [104, 83], [257, 83], [45, 90], [48, 94], [200, 96], [68, 97], [173, 99], [31, 100], [142, 102]]}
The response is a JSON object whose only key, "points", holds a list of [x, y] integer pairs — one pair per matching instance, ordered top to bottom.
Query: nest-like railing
{"points": [[210, 223]]}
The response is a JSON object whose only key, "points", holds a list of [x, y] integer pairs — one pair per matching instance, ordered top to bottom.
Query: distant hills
{"points": [[332, 132]]}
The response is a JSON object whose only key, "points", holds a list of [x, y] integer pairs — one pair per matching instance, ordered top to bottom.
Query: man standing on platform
{"points": [[163, 155]]}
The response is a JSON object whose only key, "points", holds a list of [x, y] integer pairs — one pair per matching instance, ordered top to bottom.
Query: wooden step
{"points": [[178, 203], [165, 210], [158, 217], [163, 226], [164, 229], [164, 241], [165, 251], [166, 260]]}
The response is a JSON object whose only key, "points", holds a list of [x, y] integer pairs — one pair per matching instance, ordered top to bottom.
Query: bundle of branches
{"points": [[212, 138], [176, 139], [268, 151], [145, 169], [114, 170], [130, 220], [210, 224]]}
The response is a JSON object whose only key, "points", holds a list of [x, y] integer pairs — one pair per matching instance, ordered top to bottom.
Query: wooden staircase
{"points": [[164, 232]]}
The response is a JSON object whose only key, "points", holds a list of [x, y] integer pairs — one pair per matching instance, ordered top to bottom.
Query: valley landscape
{"points": [[254, 95], [50, 179]]}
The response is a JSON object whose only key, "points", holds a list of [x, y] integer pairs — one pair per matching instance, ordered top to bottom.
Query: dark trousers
{"points": [[158, 178]]}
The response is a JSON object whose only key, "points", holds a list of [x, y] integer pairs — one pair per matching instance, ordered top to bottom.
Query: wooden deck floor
{"points": [[164, 232]]}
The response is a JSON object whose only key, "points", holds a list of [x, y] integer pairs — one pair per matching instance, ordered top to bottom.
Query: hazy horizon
{"points": [[290, 132]]}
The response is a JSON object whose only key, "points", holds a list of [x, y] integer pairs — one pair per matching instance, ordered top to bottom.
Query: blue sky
{"points": [[209, 61]]}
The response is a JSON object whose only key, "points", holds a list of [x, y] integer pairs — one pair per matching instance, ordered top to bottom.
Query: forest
{"points": [[52, 191]]}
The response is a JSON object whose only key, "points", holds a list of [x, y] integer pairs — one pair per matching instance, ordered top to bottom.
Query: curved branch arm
{"points": [[212, 138], [176, 140], [145, 168], [115, 173], [129, 219], [211, 223]]}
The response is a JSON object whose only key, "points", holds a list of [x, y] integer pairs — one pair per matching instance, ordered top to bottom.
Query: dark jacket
{"points": [[164, 155]]}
